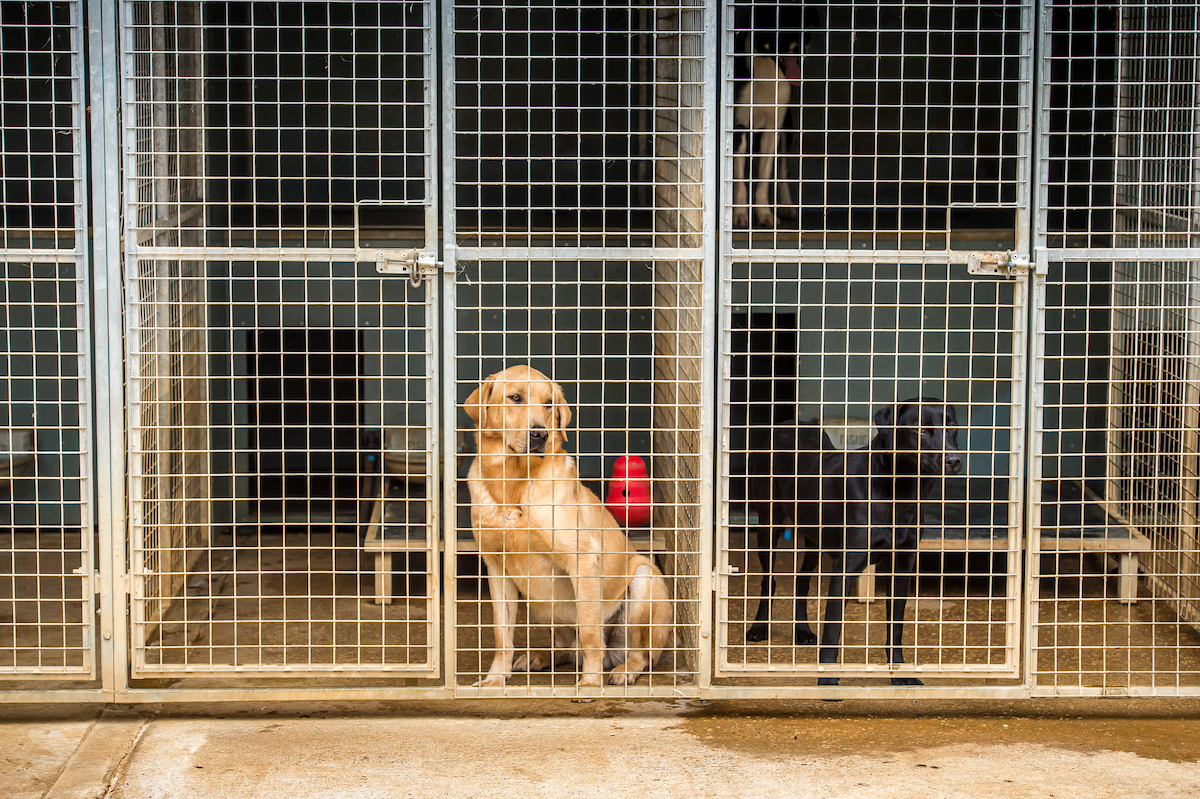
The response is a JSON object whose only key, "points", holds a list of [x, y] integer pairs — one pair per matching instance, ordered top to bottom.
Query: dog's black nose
{"points": [[537, 439], [953, 463]]}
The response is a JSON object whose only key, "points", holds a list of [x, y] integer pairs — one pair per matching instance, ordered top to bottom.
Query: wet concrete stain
{"points": [[1174, 740]]}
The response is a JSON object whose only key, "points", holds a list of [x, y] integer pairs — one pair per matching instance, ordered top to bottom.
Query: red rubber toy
{"points": [[629, 497]]}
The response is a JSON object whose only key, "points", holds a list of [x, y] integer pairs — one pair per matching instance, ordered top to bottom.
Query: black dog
{"points": [[770, 39], [862, 506]]}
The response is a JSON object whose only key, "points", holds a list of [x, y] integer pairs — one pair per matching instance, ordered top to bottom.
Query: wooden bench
{"points": [[1094, 529]]}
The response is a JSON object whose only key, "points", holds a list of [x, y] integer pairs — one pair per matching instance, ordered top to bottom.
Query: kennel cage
{"points": [[910, 163], [577, 225], [285, 361], [292, 424], [1115, 424], [47, 594]]}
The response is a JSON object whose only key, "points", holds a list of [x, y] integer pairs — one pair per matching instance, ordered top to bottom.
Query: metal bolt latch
{"points": [[1005, 264], [416, 265]]}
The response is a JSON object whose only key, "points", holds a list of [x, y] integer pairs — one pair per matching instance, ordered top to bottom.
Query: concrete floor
{"points": [[606, 748]]}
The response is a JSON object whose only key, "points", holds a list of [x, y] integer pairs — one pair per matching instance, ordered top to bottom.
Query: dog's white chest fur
{"points": [[765, 97]]}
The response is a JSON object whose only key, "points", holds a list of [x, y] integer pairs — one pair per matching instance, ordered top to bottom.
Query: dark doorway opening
{"points": [[764, 349], [305, 415]]}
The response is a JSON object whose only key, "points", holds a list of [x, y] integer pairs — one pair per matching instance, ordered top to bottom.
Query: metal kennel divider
{"points": [[280, 235], [580, 237], [893, 264], [1113, 467], [49, 640]]}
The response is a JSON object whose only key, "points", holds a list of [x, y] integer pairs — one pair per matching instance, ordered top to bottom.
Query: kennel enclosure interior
{"points": [[246, 296]]}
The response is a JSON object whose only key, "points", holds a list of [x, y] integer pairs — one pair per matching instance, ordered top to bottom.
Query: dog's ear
{"points": [[477, 403], [562, 412], [951, 415], [885, 423]]}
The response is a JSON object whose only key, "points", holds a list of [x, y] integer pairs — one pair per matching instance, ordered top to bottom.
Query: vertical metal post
{"points": [[444, 13], [104, 260], [710, 313]]}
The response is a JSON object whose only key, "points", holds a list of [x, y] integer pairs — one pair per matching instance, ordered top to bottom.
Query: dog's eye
{"points": [[515, 398]]}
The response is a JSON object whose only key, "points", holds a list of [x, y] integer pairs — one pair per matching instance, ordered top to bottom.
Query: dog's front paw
{"points": [[741, 218], [766, 219], [759, 631], [803, 635], [528, 663], [622, 675], [491, 681], [589, 681], [906, 681]]}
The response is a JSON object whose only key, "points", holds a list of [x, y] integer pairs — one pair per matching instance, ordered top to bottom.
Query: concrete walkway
{"points": [[606, 748]]}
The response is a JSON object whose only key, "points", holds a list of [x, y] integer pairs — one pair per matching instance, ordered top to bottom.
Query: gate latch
{"points": [[1005, 264], [416, 265]]}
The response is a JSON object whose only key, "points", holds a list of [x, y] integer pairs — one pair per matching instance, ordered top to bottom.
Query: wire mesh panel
{"points": [[568, 122], [274, 124], [877, 125], [578, 229], [607, 334], [872, 382], [282, 427], [871, 438], [261, 477], [1120, 565], [1119, 572], [47, 610]]}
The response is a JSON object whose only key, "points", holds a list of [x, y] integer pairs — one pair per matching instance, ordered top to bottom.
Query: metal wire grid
{"points": [[1162, 31], [1119, 120], [568, 123], [269, 125], [904, 126], [42, 152], [621, 338], [832, 344], [279, 398], [276, 407], [1119, 600], [46, 601], [47, 607], [1115, 610]]}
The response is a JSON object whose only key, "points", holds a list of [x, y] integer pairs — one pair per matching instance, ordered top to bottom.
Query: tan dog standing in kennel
{"points": [[546, 537]]}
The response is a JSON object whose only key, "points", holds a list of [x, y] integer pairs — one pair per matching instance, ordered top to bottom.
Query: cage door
{"points": [[282, 426], [872, 440]]}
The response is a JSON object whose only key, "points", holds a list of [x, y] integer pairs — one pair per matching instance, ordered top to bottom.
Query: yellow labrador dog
{"points": [[545, 536]]}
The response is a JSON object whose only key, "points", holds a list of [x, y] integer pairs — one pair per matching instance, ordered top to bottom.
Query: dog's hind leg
{"points": [[789, 144], [766, 171], [741, 177], [764, 536], [845, 569], [902, 582], [634, 631], [802, 634], [562, 651]]}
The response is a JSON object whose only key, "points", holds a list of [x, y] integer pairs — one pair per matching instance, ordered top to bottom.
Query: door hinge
{"points": [[414, 264], [1005, 264]]}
